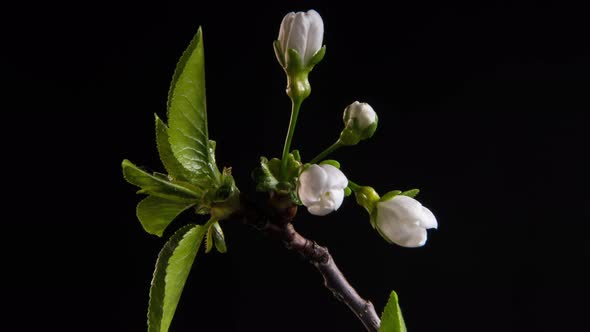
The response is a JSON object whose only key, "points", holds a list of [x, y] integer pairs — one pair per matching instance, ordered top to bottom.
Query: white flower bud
{"points": [[303, 32], [363, 113], [360, 122], [321, 189], [404, 221]]}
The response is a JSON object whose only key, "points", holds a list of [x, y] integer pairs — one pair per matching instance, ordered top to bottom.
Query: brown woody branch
{"points": [[275, 218]]}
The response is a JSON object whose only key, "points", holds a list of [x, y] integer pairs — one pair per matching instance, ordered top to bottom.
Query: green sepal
{"points": [[317, 57], [294, 65], [370, 131], [352, 134], [349, 137], [296, 155], [332, 162], [292, 169], [263, 177], [267, 177], [157, 185], [227, 187], [347, 192], [411, 193], [390, 195], [295, 197], [366, 197], [156, 213], [215, 238], [219, 238], [209, 240], [172, 269], [392, 319]]}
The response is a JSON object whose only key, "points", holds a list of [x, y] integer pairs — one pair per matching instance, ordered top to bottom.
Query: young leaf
{"points": [[187, 114], [171, 164], [157, 185], [156, 213], [172, 268], [391, 319]]}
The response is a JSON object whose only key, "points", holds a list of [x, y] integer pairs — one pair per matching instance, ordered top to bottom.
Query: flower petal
{"points": [[284, 30], [315, 35], [297, 38], [336, 179], [312, 183], [333, 199], [403, 207], [318, 210], [429, 220], [406, 234]]}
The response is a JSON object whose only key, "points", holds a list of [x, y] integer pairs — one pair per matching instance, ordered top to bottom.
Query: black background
{"points": [[482, 106]]}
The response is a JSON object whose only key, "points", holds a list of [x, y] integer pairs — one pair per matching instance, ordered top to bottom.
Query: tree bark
{"points": [[275, 219]]}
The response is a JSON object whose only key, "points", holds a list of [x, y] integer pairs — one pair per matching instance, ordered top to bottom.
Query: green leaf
{"points": [[187, 114], [171, 164], [157, 185], [411, 193], [156, 213], [172, 268], [391, 319]]}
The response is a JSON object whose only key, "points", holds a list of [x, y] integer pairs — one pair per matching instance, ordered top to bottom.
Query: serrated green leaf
{"points": [[180, 65], [187, 114], [171, 164], [157, 185], [411, 193], [156, 213], [219, 238], [172, 268], [392, 319]]}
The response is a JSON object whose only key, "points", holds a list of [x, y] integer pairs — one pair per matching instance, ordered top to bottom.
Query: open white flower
{"points": [[303, 32], [321, 189], [404, 221]]}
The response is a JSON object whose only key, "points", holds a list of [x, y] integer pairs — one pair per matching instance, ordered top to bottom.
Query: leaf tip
{"points": [[126, 163]]}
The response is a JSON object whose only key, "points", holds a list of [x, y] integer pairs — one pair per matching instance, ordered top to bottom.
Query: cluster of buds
{"points": [[396, 216]]}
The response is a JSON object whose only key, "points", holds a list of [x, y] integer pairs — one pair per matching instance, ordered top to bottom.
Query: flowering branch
{"points": [[195, 182], [276, 220]]}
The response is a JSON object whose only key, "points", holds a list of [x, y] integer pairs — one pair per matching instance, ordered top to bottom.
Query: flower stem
{"points": [[295, 105], [326, 152], [353, 186]]}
